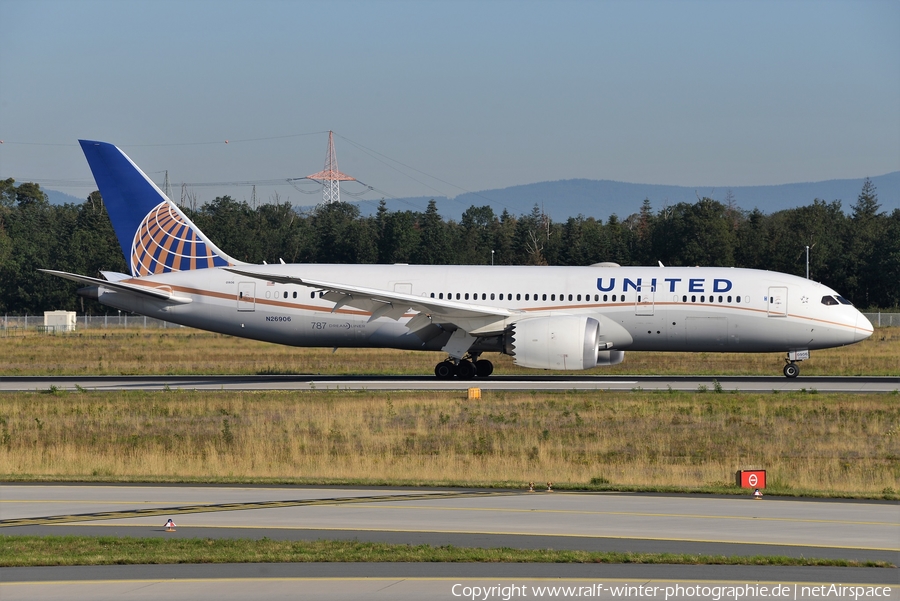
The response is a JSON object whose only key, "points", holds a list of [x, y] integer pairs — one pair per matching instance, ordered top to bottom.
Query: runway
{"points": [[862, 384], [485, 518]]}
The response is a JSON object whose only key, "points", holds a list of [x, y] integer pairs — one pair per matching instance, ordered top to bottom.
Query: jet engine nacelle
{"points": [[563, 342]]}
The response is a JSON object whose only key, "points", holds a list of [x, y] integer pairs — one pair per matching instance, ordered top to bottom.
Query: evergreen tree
{"points": [[476, 236], [434, 243], [861, 246]]}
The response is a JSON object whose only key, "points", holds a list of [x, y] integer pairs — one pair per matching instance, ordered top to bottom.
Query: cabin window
{"points": [[312, 294], [457, 296], [467, 296], [484, 296], [492, 296], [526, 297], [544, 297], [553, 297], [570, 297], [579, 297], [605, 297], [694, 299], [729, 299], [737, 299]]}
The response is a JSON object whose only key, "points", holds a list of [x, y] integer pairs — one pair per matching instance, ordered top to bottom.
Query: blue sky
{"points": [[472, 95]]}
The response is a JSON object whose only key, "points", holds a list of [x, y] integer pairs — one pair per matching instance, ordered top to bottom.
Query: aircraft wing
{"points": [[160, 293], [475, 319]]}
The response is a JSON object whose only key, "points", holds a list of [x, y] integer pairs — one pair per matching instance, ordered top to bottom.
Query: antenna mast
{"points": [[330, 177]]}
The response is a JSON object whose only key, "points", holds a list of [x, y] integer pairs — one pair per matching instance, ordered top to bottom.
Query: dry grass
{"points": [[187, 351], [844, 444]]}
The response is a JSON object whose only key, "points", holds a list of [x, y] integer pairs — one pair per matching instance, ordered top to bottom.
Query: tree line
{"points": [[857, 254]]}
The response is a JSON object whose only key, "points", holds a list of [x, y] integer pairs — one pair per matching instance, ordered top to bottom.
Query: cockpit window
{"points": [[829, 300], [844, 301]]}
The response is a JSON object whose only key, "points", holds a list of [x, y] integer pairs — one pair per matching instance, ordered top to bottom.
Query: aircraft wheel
{"points": [[483, 368], [444, 370], [465, 370], [791, 370]]}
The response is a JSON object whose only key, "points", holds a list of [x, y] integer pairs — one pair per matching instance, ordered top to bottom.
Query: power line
{"points": [[208, 143], [374, 152], [378, 156]]}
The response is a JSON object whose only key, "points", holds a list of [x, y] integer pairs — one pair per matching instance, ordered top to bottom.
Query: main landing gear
{"points": [[465, 369]]}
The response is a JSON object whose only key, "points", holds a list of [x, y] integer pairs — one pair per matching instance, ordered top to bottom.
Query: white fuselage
{"points": [[660, 308]]}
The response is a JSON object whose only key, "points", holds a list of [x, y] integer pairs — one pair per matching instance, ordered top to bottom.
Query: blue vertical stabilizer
{"points": [[155, 236]]}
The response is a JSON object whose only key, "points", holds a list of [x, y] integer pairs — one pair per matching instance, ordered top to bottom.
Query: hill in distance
{"points": [[60, 198], [602, 198]]}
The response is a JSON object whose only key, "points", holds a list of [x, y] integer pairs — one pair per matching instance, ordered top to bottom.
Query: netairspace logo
{"points": [[678, 591]]}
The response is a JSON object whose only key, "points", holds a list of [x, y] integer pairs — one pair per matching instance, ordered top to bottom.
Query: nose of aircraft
{"points": [[863, 328]]}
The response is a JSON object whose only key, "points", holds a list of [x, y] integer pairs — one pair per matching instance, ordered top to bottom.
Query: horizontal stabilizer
{"points": [[114, 276], [159, 293]]}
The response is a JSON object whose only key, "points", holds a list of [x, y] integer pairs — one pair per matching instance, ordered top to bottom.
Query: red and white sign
{"points": [[752, 478]]}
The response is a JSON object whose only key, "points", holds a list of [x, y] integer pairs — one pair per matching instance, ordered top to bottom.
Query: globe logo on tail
{"points": [[166, 241]]}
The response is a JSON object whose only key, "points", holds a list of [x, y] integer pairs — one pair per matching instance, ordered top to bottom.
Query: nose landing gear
{"points": [[791, 369]]}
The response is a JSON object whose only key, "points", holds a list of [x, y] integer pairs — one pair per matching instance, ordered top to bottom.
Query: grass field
{"points": [[187, 351], [827, 444], [846, 445], [84, 550]]}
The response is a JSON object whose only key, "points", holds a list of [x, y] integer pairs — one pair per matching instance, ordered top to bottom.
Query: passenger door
{"points": [[246, 298], [777, 301], [643, 302]]}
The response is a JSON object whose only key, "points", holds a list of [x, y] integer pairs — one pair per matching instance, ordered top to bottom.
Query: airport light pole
{"points": [[808, 247]]}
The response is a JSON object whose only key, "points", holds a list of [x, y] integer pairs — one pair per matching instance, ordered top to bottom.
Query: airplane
{"points": [[552, 318]]}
